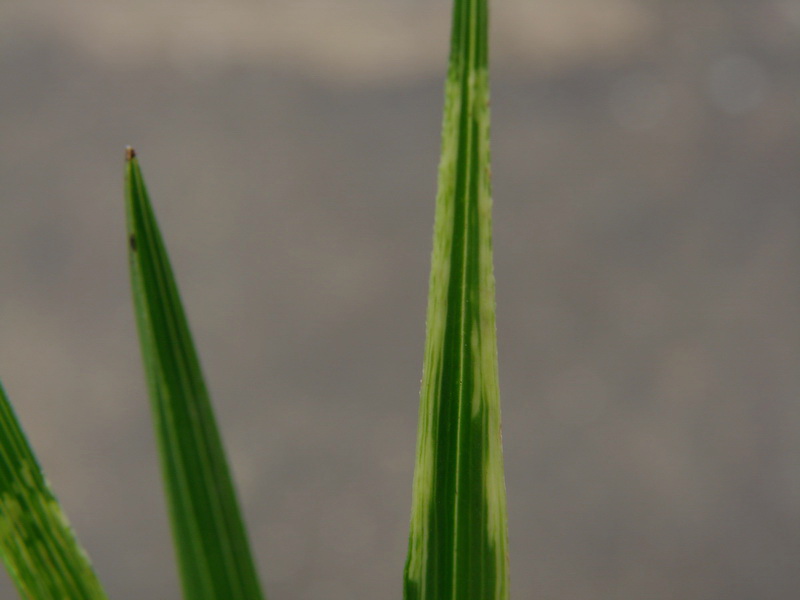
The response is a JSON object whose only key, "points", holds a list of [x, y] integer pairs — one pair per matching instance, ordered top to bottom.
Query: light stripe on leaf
{"points": [[458, 539]]}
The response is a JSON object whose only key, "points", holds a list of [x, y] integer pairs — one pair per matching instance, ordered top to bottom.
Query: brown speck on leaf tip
{"points": [[130, 153]]}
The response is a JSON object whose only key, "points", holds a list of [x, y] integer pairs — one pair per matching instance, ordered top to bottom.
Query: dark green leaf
{"points": [[212, 547]]}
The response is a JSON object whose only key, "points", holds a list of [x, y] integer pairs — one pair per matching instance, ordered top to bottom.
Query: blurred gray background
{"points": [[646, 169]]}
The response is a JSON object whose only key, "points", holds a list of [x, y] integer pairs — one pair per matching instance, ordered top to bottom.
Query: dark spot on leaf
{"points": [[132, 242]]}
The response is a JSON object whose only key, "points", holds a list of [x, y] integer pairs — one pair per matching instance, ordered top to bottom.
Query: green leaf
{"points": [[458, 540], [211, 542], [37, 544]]}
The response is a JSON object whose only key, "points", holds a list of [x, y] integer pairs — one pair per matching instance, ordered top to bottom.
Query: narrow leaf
{"points": [[458, 541], [211, 543], [37, 544]]}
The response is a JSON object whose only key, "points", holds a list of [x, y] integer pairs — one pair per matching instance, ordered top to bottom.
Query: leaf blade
{"points": [[458, 538], [211, 543], [37, 544]]}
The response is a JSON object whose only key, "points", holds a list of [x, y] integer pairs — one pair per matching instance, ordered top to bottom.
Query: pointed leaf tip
{"points": [[130, 153], [213, 551]]}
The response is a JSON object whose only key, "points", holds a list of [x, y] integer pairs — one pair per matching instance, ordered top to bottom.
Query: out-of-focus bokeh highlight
{"points": [[647, 238]]}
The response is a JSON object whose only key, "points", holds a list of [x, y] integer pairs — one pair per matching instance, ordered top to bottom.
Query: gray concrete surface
{"points": [[646, 167]]}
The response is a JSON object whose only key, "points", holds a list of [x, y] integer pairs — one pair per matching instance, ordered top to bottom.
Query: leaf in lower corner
{"points": [[37, 543]]}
